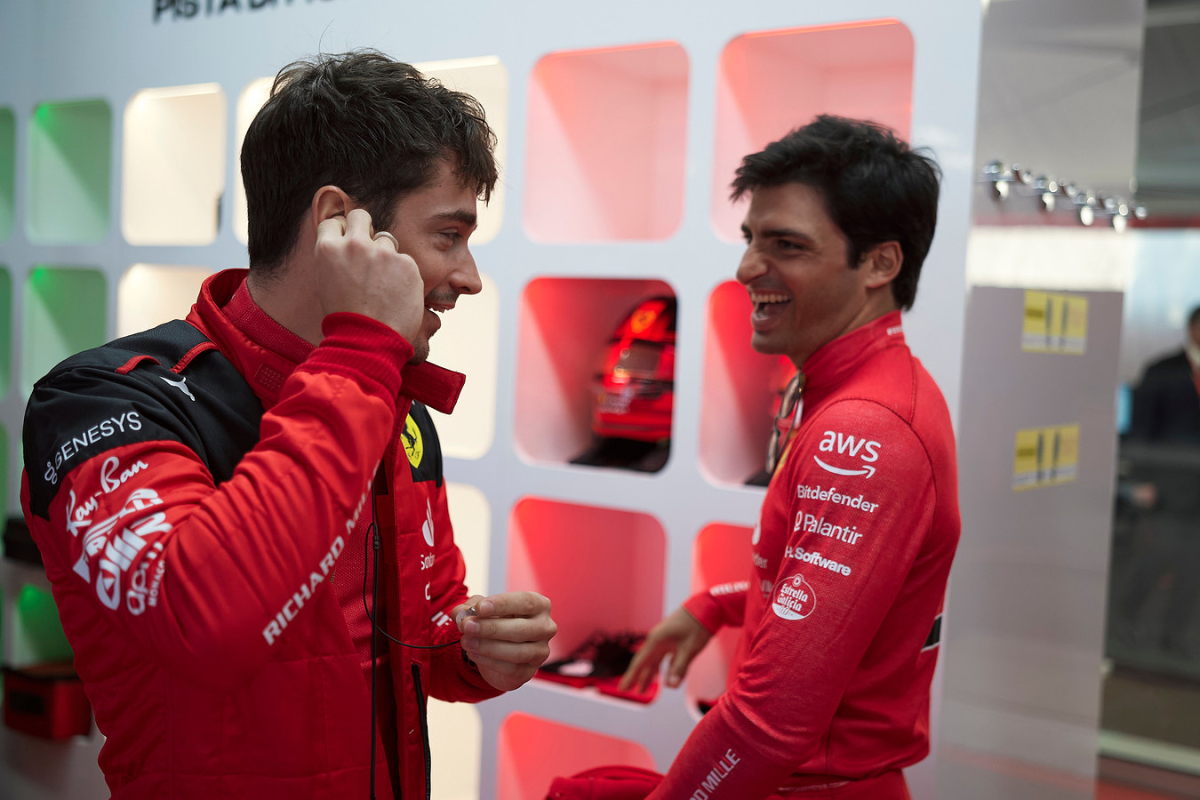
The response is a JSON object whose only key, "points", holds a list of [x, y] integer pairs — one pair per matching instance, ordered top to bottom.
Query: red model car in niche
{"points": [[635, 389], [634, 392]]}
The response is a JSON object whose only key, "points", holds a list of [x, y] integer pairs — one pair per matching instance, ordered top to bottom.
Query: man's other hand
{"points": [[366, 275], [679, 634], [507, 637]]}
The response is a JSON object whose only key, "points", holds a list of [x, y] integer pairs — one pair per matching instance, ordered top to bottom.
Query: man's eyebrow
{"points": [[468, 218], [779, 233], [786, 233]]}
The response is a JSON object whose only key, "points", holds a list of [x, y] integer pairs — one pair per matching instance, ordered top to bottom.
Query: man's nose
{"points": [[751, 266], [466, 278]]}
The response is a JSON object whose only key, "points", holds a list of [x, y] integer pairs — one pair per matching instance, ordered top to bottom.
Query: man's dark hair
{"points": [[374, 127], [875, 187], [1194, 317]]}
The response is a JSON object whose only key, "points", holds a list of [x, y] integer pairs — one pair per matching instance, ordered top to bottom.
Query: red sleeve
{"points": [[205, 579], [827, 602], [718, 606], [451, 677]]}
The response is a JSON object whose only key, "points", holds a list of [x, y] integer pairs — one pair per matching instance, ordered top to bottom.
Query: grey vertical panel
{"points": [[1027, 596]]}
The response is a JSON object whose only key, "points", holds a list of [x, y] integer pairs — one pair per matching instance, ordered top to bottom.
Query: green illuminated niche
{"points": [[8, 149], [70, 160], [65, 312], [5, 330], [4, 481], [39, 634]]}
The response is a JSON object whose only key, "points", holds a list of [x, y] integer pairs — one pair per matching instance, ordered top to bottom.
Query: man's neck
{"points": [[286, 298]]}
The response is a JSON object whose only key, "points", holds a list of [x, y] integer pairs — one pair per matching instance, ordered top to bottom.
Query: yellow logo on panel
{"points": [[1054, 323], [414, 446], [1046, 457]]}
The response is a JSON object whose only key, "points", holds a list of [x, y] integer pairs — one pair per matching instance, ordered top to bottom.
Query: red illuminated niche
{"points": [[774, 81], [606, 144], [566, 329], [741, 390], [720, 554], [601, 567], [532, 752]]}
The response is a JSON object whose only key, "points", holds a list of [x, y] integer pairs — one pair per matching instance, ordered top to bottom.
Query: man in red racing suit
{"points": [[203, 493], [828, 692]]}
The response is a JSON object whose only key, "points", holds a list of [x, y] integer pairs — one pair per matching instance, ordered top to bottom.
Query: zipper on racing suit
{"points": [[421, 711]]}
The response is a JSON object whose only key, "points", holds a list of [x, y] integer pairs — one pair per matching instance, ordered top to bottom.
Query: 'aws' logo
{"points": [[856, 447]]}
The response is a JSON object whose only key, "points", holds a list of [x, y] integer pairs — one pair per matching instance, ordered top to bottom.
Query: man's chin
{"points": [[764, 344], [420, 352]]}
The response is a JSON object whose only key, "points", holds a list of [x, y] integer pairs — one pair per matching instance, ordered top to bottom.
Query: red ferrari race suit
{"points": [[200, 494], [841, 619]]}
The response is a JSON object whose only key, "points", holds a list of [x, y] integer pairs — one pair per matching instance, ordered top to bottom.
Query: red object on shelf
{"points": [[635, 391], [600, 662], [608, 686], [46, 700], [616, 782]]}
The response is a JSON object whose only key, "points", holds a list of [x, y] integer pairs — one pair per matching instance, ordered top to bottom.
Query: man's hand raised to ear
{"points": [[366, 275]]}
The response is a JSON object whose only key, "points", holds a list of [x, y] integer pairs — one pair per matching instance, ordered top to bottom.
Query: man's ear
{"points": [[330, 201], [881, 264]]}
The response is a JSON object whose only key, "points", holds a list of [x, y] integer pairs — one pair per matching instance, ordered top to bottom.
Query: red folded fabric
{"points": [[612, 782]]}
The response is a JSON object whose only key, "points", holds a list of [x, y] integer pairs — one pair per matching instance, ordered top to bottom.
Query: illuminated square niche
{"points": [[484, 78], [771, 82], [606, 144], [173, 165], [8, 170], [69, 178], [151, 294], [65, 313], [566, 329], [741, 390], [720, 554], [621, 587], [533, 752]]}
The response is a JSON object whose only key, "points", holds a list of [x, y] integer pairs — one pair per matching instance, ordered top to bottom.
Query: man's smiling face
{"points": [[432, 225], [804, 291]]}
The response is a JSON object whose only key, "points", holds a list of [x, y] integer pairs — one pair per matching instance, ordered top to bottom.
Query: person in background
{"points": [[1162, 448], [243, 515], [828, 694]]}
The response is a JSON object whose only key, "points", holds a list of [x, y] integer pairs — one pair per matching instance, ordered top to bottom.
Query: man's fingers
{"points": [[358, 224], [331, 228], [513, 604], [464, 611], [510, 629], [528, 653], [680, 661], [501, 666], [641, 669]]}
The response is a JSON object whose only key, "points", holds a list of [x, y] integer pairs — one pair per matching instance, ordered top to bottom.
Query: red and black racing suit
{"points": [[200, 494]]}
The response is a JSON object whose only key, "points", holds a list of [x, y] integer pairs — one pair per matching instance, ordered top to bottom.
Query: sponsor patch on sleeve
{"points": [[793, 598]]}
